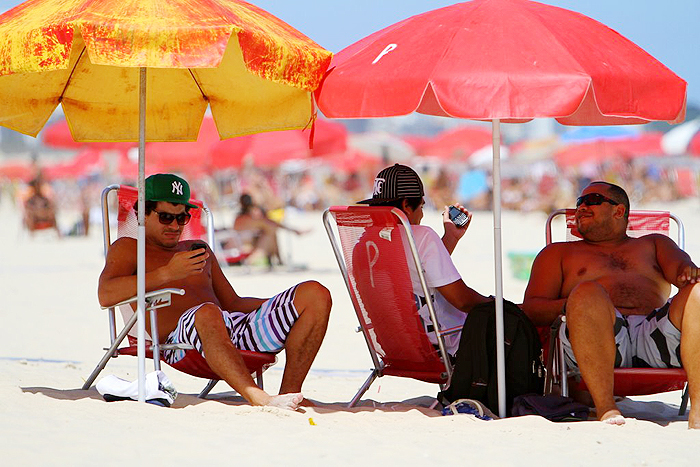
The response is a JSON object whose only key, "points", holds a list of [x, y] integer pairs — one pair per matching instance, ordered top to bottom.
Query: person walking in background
{"points": [[39, 210], [259, 231]]}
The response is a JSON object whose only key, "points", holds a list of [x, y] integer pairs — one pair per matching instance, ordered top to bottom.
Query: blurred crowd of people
{"points": [[315, 186], [544, 188]]}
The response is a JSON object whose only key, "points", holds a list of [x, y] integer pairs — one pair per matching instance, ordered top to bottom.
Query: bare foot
{"points": [[289, 401], [307, 403], [612, 417], [694, 418]]}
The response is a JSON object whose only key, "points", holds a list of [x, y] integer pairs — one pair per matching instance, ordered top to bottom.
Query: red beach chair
{"points": [[377, 254], [192, 363], [628, 381]]}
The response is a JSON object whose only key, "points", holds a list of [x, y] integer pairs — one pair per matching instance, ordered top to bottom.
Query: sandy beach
{"points": [[53, 332]]}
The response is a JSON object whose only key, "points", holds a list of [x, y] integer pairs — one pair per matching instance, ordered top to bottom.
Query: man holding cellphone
{"points": [[400, 186], [211, 316]]}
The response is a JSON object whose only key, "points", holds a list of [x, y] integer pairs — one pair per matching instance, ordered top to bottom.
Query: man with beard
{"points": [[615, 292]]}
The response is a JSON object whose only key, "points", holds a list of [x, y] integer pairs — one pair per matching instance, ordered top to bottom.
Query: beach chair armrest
{"points": [[154, 299], [450, 331]]}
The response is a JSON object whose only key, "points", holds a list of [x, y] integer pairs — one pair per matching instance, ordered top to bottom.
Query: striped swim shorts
{"points": [[262, 330], [641, 341]]}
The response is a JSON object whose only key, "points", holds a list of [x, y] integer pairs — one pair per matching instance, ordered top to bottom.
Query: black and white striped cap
{"points": [[394, 183]]}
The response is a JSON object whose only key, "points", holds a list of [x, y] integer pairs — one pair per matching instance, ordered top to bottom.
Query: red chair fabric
{"points": [[375, 252], [194, 364]]}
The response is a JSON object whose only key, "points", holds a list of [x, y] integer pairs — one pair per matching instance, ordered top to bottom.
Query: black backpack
{"points": [[475, 374]]}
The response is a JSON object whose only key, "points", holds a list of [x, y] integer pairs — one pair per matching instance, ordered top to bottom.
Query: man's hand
{"points": [[452, 232], [185, 263], [687, 274]]}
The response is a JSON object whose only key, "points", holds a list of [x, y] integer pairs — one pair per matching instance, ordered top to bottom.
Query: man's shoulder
{"points": [[420, 231], [124, 243], [558, 248]]}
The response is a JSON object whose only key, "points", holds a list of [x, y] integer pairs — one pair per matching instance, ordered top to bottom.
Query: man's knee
{"points": [[312, 295], [587, 296], [693, 296], [686, 301], [208, 316]]}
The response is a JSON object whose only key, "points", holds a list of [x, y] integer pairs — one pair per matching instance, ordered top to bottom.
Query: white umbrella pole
{"points": [[141, 241], [498, 261]]}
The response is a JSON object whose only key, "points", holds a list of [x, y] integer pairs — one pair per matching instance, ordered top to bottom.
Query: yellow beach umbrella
{"points": [[146, 70], [255, 71]]}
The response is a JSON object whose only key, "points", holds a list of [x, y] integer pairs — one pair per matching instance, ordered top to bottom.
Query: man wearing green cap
{"points": [[211, 316]]}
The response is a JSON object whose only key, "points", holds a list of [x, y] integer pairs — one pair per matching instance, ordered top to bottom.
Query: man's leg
{"points": [[313, 304], [685, 315], [590, 319], [225, 360]]}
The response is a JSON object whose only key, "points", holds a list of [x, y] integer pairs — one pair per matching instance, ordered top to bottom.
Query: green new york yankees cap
{"points": [[170, 188]]}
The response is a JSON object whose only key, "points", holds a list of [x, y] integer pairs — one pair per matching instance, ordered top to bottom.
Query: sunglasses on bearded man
{"points": [[594, 199], [167, 218]]}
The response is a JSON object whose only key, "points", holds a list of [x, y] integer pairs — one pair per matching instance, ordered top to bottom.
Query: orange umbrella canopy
{"points": [[255, 71]]}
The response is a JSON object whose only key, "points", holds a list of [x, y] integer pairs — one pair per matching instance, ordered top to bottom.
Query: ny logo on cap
{"points": [[378, 184], [177, 188]]}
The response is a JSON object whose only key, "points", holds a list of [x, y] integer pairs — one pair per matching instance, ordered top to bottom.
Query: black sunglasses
{"points": [[594, 199], [167, 218]]}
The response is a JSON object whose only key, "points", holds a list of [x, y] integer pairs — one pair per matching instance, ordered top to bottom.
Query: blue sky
{"points": [[667, 29]]}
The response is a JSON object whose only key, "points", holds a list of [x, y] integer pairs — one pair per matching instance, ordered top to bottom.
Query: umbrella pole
{"points": [[141, 241], [498, 261]]}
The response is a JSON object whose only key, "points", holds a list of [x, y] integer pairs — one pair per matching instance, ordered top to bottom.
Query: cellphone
{"points": [[457, 217], [197, 246]]}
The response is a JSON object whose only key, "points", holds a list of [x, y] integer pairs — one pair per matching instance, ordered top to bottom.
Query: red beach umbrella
{"points": [[501, 60], [329, 138], [457, 143], [646, 144], [265, 149], [87, 161], [17, 170]]}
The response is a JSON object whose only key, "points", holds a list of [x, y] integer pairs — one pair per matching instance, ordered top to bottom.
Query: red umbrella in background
{"points": [[501, 60], [329, 138], [683, 139], [418, 142], [458, 143], [645, 144], [694, 146], [263, 149], [189, 158], [353, 160], [84, 163], [127, 167], [17, 170]]}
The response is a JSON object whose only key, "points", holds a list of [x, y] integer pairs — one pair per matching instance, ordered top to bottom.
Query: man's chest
{"points": [[590, 262]]}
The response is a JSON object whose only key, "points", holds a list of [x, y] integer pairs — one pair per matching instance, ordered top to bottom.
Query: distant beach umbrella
{"points": [[679, 140]]}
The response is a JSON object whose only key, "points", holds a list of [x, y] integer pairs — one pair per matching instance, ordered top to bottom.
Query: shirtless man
{"points": [[615, 292], [211, 316]]}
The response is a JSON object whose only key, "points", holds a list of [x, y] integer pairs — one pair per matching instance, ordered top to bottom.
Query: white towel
{"points": [[159, 389]]}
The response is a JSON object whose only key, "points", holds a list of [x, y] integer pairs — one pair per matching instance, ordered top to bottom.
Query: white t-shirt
{"points": [[439, 270]]}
